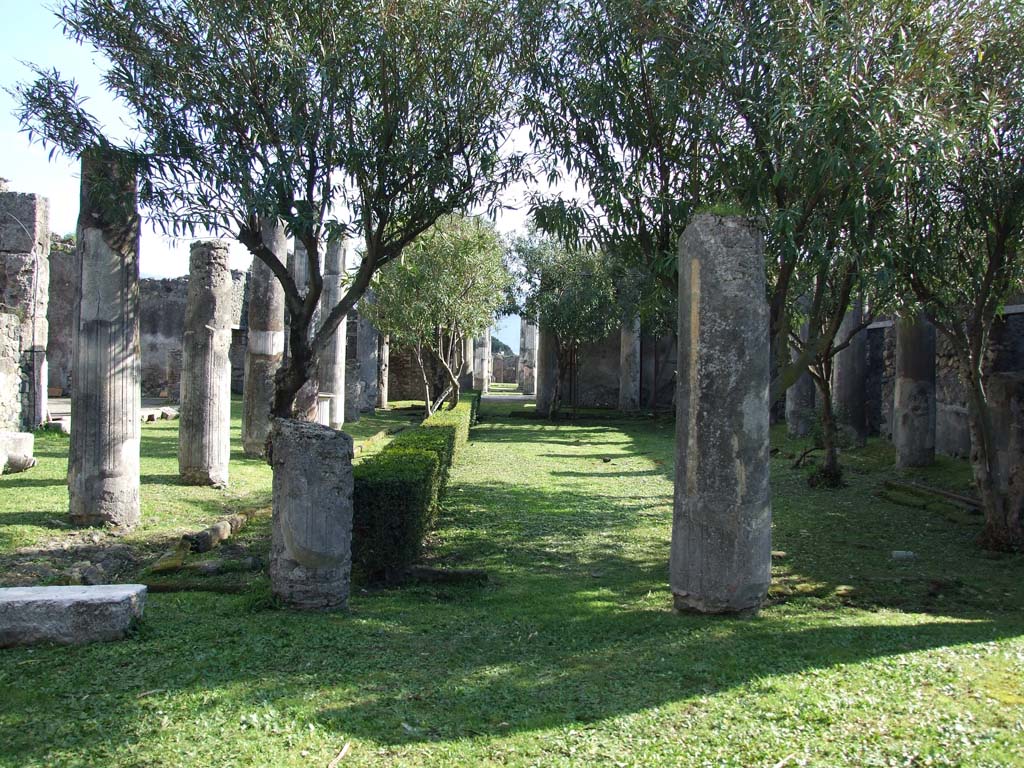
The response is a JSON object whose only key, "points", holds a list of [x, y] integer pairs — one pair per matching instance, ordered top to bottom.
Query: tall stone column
{"points": [[24, 291], [528, 339], [266, 343], [368, 358], [547, 358], [332, 359], [482, 362], [629, 364], [384, 371], [466, 371], [849, 377], [914, 408], [800, 415], [204, 434], [103, 462], [721, 533], [311, 538]]}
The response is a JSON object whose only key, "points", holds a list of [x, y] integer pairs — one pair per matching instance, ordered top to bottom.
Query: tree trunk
{"points": [[830, 473]]}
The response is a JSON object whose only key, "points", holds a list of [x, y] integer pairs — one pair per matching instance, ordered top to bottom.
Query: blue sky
{"points": [[33, 35]]}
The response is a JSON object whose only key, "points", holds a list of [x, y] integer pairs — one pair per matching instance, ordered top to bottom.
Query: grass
{"points": [[571, 654]]}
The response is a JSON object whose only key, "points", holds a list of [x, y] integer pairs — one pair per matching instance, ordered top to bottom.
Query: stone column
{"points": [[24, 290], [528, 338], [266, 343], [368, 357], [547, 357], [332, 359], [482, 362], [629, 364], [466, 371], [384, 372], [849, 377], [354, 395], [800, 415], [913, 424], [204, 434], [103, 462], [721, 533], [311, 540]]}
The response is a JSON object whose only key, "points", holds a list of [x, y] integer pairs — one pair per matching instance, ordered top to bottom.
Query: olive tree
{"points": [[339, 119], [960, 227], [447, 287], [570, 293]]}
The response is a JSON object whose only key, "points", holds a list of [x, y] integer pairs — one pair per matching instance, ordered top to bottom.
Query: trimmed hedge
{"points": [[397, 492]]}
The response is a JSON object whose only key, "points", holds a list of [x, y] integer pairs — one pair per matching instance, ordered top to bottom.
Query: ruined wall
{"points": [[24, 294], [161, 327], [658, 371], [11, 377], [881, 378], [594, 380]]}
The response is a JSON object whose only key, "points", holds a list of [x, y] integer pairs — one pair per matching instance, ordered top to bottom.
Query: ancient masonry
{"points": [[24, 294], [265, 347], [332, 359], [527, 374], [204, 436], [103, 463], [720, 559]]}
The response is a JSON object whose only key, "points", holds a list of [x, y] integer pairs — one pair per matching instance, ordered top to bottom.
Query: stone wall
{"points": [[24, 293], [161, 326], [11, 377], [952, 436]]}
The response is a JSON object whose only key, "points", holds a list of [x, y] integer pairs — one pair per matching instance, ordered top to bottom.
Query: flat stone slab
{"points": [[68, 615]]}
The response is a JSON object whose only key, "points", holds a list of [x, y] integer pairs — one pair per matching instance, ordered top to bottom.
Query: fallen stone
{"points": [[168, 413], [58, 425], [16, 450], [902, 554], [68, 615]]}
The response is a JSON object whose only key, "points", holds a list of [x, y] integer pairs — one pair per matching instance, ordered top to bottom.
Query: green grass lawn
{"points": [[570, 655]]}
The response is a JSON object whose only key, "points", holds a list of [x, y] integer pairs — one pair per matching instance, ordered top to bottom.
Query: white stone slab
{"points": [[68, 615]]}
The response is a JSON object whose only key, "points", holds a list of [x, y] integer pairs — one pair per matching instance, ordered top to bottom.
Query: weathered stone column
{"points": [[24, 290], [528, 340], [266, 343], [368, 357], [547, 358], [332, 359], [482, 362], [629, 364], [384, 371], [466, 371], [849, 377], [353, 392], [1006, 403], [800, 413], [913, 424], [204, 434], [103, 462], [721, 533], [311, 541]]}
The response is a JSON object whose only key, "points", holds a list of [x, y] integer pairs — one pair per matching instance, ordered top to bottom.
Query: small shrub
{"points": [[395, 501]]}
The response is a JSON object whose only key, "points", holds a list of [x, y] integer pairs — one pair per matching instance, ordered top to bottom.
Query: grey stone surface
{"points": [[24, 291], [59, 315], [266, 343], [547, 352], [368, 357], [482, 362], [629, 364], [331, 371], [466, 371], [384, 372], [11, 373], [527, 374], [849, 378], [353, 392], [1006, 400], [914, 407], [800, 414], [204, 435], [17, 451], [103, 462], [721, 534], [311, 544], [68, 615]]}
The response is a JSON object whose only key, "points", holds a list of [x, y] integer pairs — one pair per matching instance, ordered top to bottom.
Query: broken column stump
{"points": [[204, 436], [721, 534], [311, 544], [68, 615]]}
